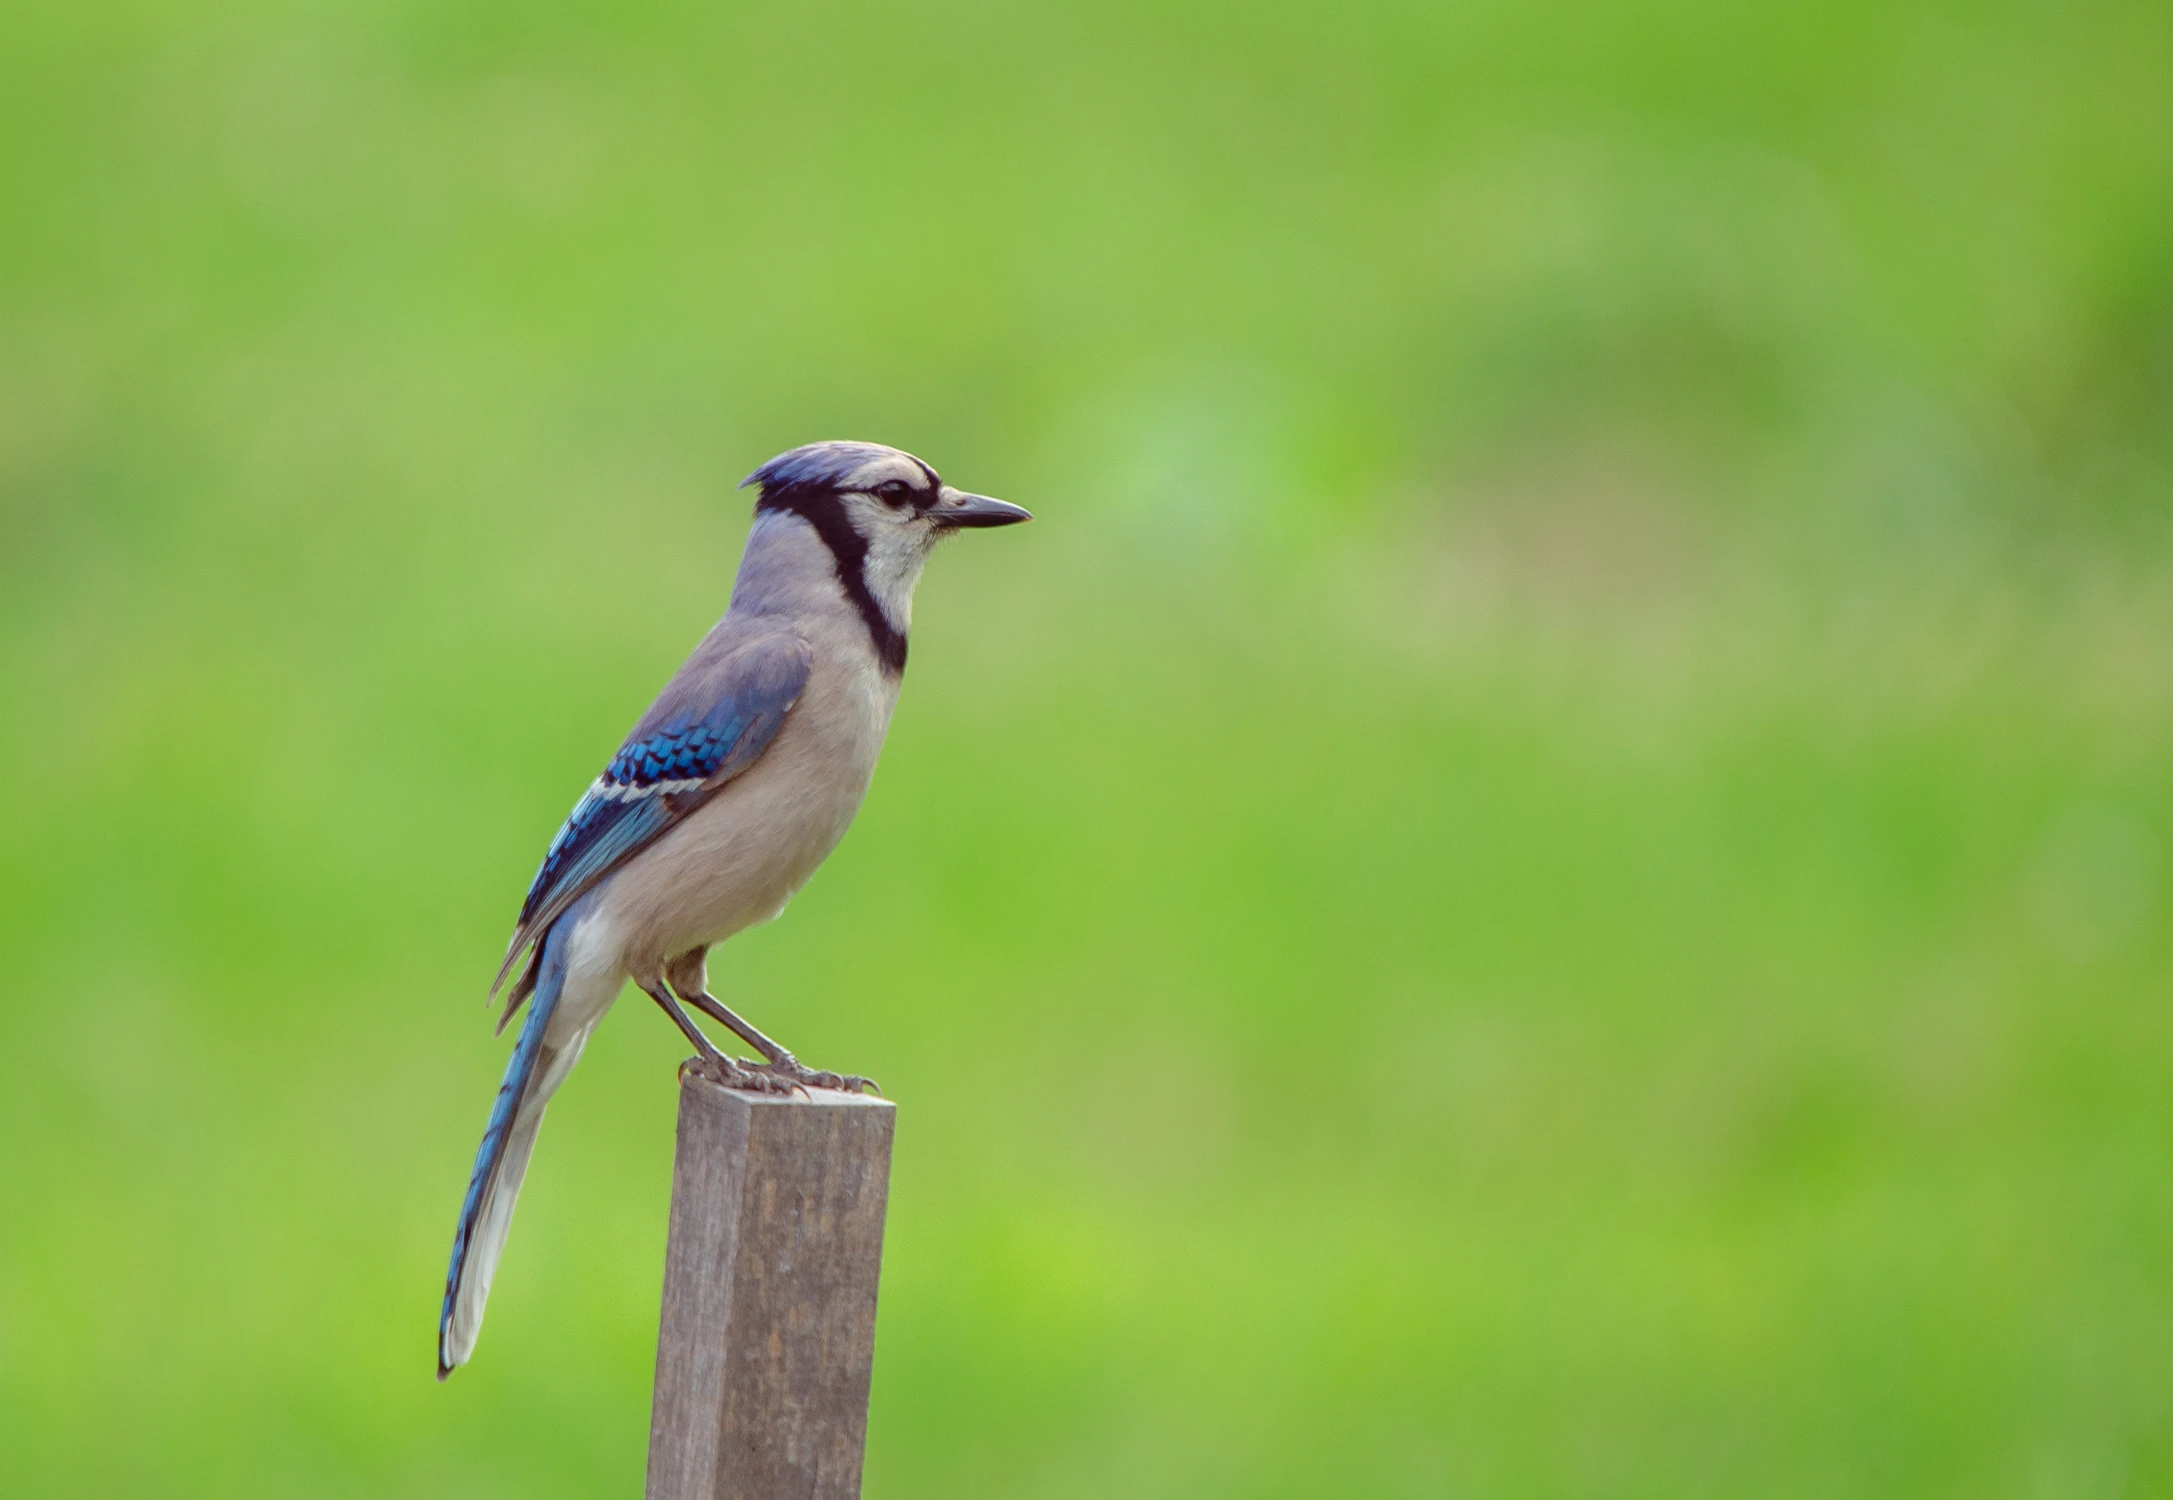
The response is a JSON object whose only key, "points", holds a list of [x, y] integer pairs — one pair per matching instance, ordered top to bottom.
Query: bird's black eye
{"points": [[895, 492]]}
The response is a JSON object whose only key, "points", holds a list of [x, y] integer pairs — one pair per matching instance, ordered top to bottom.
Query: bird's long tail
{"points": [[533, 1075]]}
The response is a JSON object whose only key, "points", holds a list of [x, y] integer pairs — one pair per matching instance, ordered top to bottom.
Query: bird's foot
{"points": [[791, 1073], [733, 1074]]}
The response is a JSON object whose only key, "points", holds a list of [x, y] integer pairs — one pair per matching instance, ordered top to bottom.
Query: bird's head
{"points": [[880, 491], [880, 510]]}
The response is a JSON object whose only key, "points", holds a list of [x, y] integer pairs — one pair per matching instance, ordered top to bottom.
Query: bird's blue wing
{"points": [[712, 723]]}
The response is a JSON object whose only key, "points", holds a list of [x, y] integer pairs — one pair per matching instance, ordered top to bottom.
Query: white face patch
{"points": [[898, 544]]}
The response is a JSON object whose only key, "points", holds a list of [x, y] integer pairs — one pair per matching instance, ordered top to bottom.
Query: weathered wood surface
{"points": [[768, 1337]]}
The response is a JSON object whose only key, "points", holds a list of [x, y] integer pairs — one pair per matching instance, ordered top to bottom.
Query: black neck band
{"points": [[822, 509]]}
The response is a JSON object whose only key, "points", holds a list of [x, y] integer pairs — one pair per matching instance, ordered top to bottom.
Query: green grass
{"points": [[1546, 875]]}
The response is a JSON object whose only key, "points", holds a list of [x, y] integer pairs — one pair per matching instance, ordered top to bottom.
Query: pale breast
{"points": [[740, 857]]}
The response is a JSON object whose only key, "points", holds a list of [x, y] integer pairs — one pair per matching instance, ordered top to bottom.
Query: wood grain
{"points": [[768, 1336]]}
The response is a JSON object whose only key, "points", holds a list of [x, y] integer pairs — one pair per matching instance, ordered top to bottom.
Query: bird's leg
{"points": [[688, 976], [778, 1063], [713, 1064]]}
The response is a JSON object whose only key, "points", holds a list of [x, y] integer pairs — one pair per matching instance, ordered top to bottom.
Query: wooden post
{"points": [[768, 1337]]}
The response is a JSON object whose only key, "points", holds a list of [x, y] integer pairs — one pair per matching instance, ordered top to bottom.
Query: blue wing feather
{"points": [[712, 723]]}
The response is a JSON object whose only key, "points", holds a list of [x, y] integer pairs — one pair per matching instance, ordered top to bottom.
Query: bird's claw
{"points": [[727, 1073], [794, 1074]]}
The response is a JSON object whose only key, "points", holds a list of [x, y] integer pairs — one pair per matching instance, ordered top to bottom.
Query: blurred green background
{"points": [[1546, 875]]}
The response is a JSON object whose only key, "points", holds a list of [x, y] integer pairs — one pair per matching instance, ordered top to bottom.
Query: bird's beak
{"points": [[957, 508]]}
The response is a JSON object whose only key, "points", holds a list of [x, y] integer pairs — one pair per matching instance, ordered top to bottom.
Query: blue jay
{"points": [[736, 784]]}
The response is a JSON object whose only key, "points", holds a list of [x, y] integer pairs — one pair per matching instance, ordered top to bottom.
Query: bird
{"points": [[718, 806]]}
